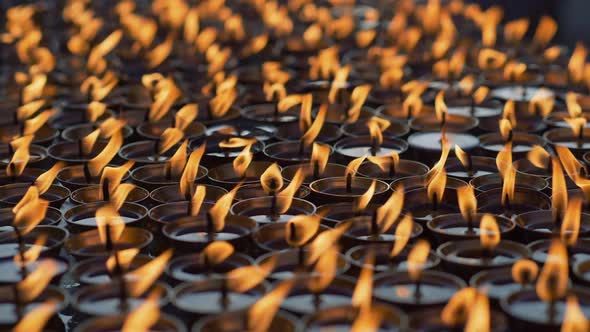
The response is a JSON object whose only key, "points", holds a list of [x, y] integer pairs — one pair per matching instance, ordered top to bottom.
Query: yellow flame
{"points": [[546, 29], [515, 30], [489, 59], [575, 66], [338, 83], [358, 97], [542, 102], [412, 105], [27, 110], [186, 115], [34, 124], [111, 126], [314, 130], [169, 138], [236, 142], [21, 155], [319, 156], [539, 157], [242, 161], [97, 164], [190, 170], [114, 176], [271, 180], [509, 181], [436, 187], [559, 190], [285, 197], [362, 201], [467, 202], [220, 209], [388, 213], [108, 215], [570, 227], [403, 233], [489, 235], [324, 241], [216, 252], [32, 253], [125, 257], [417, 258], [324, 271], [524, 271], [144, 277], [244, 278], [553, 280], [34, 284], [363, 291], [457, 309], [261, 313], [479, 314], [145, 315], [574, 318], [35, 320]]}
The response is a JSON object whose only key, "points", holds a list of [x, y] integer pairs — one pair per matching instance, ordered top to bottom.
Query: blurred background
{"points": [[573, 16]]}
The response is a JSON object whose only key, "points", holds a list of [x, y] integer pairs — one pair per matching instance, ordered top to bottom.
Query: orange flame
{"points": [[546, 29], [515, 30], [255, 45], [98, 52], [552, 53], [158, 54], [489, 59], [575, 66], [514, 71], [391, 78], [338, 83], [99, 88], [275, 91], [165, 93], [480, 95], [357, 99], [542, 102], [221, 103], [412, 105], [440, 106], [27, 110], [185, 116], [34, 124], [111, 126], [376, 127], [506, 129], [314, 130], [169, 138], [89, 141], [236, 142], [21, 155], [319, 156], [462, 156], [539, 157], [504, 159], [242, 161], [177, 162], [385, 162], [97, 164], [571, 165], [353, 167], [190, 170], [113, 176], [271, 180], [509, 180], [436, 187], [559, 190], [120, 194], [285, 197], [362, 202], [467, 202], [220, 209], [30, 211], [388, 213], [108, 215], [570, 227], [403, 233], [489, 235], [324, 241], [216, 252], [31, 255], [124, 257], [417, 258], [324, 271], [524, 271], [143, 277], [244, 278], [553, 280], [34, 284], [363, 291], [457, 309], [261, 313], [479, 314], [145, 315], [574, 318], [35, 320], [367, 320]]}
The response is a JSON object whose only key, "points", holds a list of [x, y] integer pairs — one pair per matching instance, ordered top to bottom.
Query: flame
{"points": [[191, 25], [546, 29], [515, 30], [312, 35], [364, 38], [205, 39], [255, 45], [98, 52], [159, 53], [552, 53], [489, 59], [575, 66], [514, 71], [392, 77], [338, 83], [466, 84], [99, 88], [34, 90], [275, 91], [164, 94], [480, 95], [357, 99], [289, 101], [542, 102], [221, 103], [412, 105], [440, 106], [573, 106], [27, 110], [305, 113], [185, 116], [34, 124], [577, 125], [111, 126], [376, 127], [506, 129], [314, 130], [169, 138], [88, 141], [236, 142], [21, 155], [319, 156], [462, 156], [539, 157], [504, 159], [242, 161], [177, 162], [385, 162], [97, 164], [571, 165], [353, 167], [190, 170], [113, 176], [509, 179], [271, 180], [44, 181], [436, 187], [559, 190], [120, 194], [285, 197], [196, 201], [467, 202], [361, 203], [220, 209], [30, 211], [388, 213], [108, 215], [570, 227], [403, 233], [489, 235], [324, 241], [216, 252], [32, 253], [124, 257], [417, 258], [324, 271], [524, 271], [143, 277], [244, 278], [553, 280], [34, 284], [363, 291], [457, 309], [261, 313], [479, 314], [145, 315], [574, 318], [35, 320], [367, 320]]}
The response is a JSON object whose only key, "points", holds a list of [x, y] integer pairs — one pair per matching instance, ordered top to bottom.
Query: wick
{"points": [[89, 96], [472, 106], [276, 110], [409, 115], [15, 118], [443, 120], [510, 136], [581, 136], [374, 146], [156, 147], [301, 147], [10, 149], [80, 149], [469, 165], [392, 168], [316, 169], [168, 171], [13, 172], [87, 175], [349, 183], [105, 190], [435, 202], [506, 204], [273, 206], [374, 226], [469, 229], [210, 232], [108, 241], [21, 252], [301, 258], [552, 285], [122, 286], [418, 289], [224, 298], [317, 300], [17, 302]]}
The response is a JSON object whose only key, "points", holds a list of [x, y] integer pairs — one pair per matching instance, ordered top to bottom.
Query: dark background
{"points": [[573, 16]]}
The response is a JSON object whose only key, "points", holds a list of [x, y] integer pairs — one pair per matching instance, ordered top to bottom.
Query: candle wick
{"points": [[472, 106], [409, 115], [443, 120], [510, 136], [581, 136], [374, 146], [301, 147], [80, 148], [10, 149], [469, 165], [316, 169], [392, 170], [168, 171], [87, 175], [349, 183], [105, 190], [434, 202], [506, 203], [273, 206], [469, 223], [209, 225], [374, 225], [108, 243], [21, 250], [301, 258], [122, 286], [418, 289], [224, 299], [317, 300], [17, 302]]}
